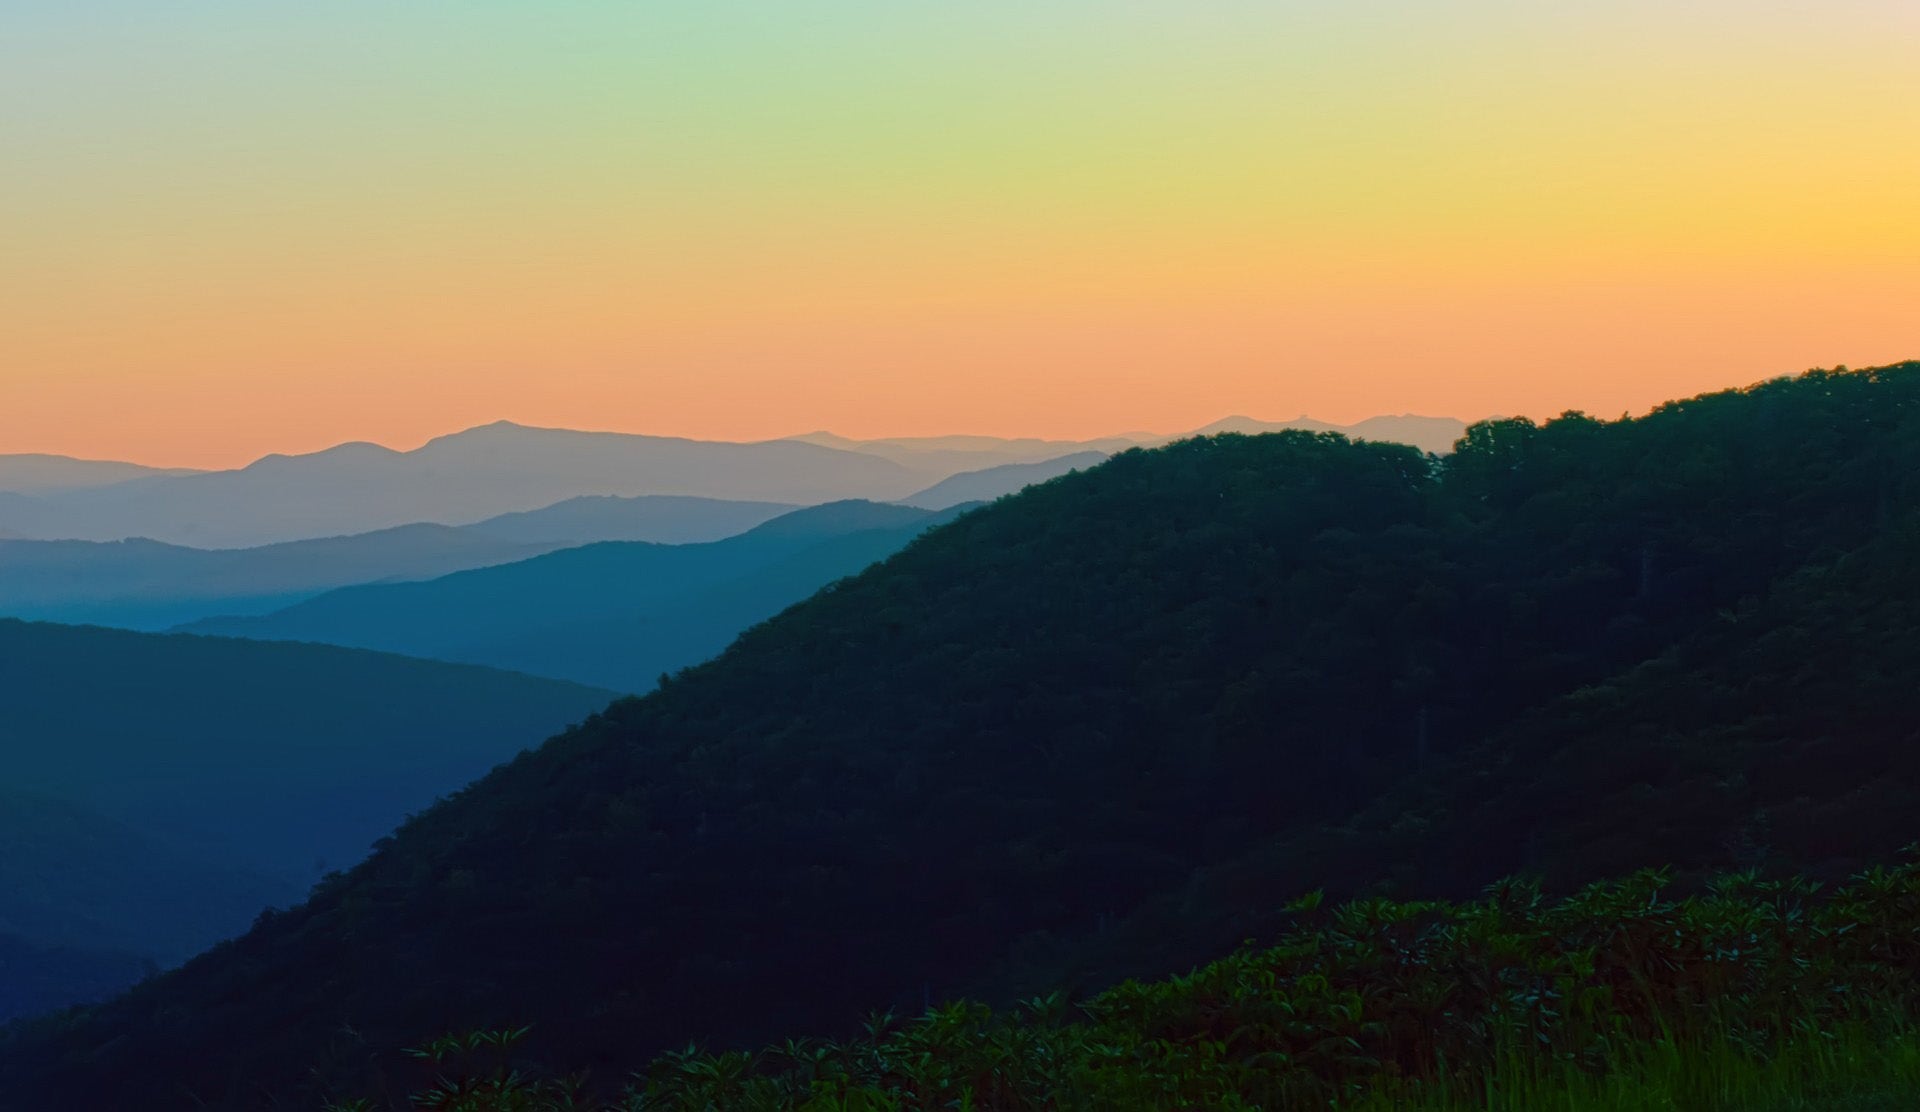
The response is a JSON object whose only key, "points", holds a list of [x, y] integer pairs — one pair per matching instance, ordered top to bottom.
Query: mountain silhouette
{"points": [[1429, 434], [950, 455], [505, 468], [35, 473], [454, 480], [989, 483], [657, 518], [144, 584], [613, 614], [1092, 703], [255, 756], [70, 876], [41, 978]]}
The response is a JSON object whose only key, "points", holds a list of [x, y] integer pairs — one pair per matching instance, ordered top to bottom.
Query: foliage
{"points": [[1101, 728], [1618, 996]]}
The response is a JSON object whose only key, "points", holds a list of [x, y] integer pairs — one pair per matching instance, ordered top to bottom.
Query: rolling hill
{"points": [[947, 456], [33, 473], [453, 480], [994, 482], [656, 518], [144, 584], [617, 614], [1080, 720], [281, 760], [73, 878], [36, 979]]}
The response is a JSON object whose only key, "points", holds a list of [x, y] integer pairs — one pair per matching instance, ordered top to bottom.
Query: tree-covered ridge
{"points": [[1083, 721], [1373, 1004]]}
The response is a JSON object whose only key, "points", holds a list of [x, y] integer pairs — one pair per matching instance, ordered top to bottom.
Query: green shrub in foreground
{"points": [[1621, 995]]}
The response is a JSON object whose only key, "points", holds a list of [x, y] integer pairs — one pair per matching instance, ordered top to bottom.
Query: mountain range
{"points": [[505, 468], [34, 473], [144, 584], [614, 614], [1100, 727], [162, 790]]}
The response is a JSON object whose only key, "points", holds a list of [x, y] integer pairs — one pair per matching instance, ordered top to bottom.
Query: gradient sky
{"points": [[228, 229]]}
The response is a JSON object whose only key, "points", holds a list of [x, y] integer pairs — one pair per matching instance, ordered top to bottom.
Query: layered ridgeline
{"points": [[506, 468], [465, 477], [145, 584], [617, 614], [1080, 714], [159, 791], [73, 877], [35, 979]]}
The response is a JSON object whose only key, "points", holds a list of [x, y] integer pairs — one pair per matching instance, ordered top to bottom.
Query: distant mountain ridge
{"points": [[1429, 434], [505, 468], [39, 473], [453, 480], [993, 482], [145, 584], [615, 614], [1091, 710], [263, 757], [157, 793], [71, 876], [41, 978]]}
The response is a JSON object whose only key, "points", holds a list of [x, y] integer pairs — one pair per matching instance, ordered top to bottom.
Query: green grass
{"points": [[1757, 995], [1859, 1067]]}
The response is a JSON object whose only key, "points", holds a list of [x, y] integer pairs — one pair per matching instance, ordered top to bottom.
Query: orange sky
{"points": [[226, 231]]}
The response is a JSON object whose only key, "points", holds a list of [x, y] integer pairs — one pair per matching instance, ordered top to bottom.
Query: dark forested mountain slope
{"points": [[615, 614], [1065, 710], [1777, 736]]}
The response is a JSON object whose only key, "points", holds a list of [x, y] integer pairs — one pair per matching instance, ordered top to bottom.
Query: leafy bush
{"points": [[1755, 983]]}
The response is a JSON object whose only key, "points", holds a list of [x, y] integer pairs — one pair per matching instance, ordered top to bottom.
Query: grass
{"points": [[1860, 1068]]}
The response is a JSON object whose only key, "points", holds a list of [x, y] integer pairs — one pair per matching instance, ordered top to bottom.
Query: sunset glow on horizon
{"points": [[228, 230]]}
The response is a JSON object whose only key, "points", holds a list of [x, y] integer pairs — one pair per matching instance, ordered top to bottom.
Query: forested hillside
{"points": [[1106, 722]]}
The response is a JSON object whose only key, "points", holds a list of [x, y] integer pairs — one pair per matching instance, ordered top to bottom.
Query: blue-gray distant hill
{"points": [[34, 473], [453, 480], [994, 482], [659, 518], [145, 584], [616, 615], [282, 759], [72, 877], [42, 978]]}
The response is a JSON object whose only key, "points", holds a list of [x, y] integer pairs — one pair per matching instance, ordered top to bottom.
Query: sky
{"points": [[231, 229]]}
